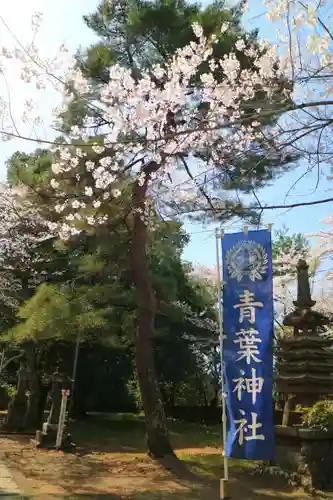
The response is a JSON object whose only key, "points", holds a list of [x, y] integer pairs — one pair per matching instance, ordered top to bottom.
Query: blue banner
{"points": [[248, 344]]}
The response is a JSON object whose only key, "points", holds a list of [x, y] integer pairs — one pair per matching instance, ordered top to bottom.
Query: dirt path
{"points": [[116, 476]]}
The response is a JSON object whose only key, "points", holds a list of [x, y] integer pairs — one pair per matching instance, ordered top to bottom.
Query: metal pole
{"points": [[284, 293], [76, 357], [2, 360], [224, 410]]}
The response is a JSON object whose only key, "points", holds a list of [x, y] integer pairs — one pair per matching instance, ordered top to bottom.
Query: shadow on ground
{"points": [[117, 434], [110, 463], [119, 476], [190, 494], [11, 496]]}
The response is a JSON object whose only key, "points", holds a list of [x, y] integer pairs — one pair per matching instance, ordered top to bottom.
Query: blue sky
{"points": [[63, 22], [304, 219]]}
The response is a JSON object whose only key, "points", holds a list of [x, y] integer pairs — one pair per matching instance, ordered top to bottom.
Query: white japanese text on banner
{"points": [[248, 353]]}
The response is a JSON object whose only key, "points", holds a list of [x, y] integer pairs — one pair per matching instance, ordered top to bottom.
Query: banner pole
{"points": [[223, 494]]}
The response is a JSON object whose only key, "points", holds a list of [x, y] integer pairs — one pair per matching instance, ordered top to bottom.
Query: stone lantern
{"points": [[304, 360], [304, 365]]}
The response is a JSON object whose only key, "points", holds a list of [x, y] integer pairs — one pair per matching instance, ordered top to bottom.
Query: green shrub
{"points": [[10, 389], [320, 416]]}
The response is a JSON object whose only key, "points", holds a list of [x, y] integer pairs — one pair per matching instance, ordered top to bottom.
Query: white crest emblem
{"points": [[247, 258]]}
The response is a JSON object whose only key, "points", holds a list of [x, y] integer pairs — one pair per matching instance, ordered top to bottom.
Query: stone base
{"points": [[47, 440], [308, 453]]}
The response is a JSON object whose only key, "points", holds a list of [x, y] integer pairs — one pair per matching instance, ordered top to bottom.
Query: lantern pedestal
{"points": [[47, 437], [307, 453]]}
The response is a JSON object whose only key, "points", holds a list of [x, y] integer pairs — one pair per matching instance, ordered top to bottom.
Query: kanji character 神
{"points": [[252, 385]]}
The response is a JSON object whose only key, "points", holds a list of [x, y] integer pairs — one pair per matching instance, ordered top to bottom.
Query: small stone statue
{"points": [[303, 286], [55, 394], [48, 436]]}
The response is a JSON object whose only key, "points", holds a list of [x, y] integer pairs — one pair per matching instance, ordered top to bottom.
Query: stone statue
{"points": [[304, 300], [55, 394]]}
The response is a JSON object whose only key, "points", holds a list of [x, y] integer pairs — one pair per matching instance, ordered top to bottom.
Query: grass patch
{"points": [[126, 432], [194, 435], [204, 465], [211, 465]]}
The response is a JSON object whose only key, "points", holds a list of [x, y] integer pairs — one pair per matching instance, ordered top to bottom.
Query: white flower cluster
{"points": [[159, 118], [139, 126], [22, 227], [22, 230], [324, 247]]}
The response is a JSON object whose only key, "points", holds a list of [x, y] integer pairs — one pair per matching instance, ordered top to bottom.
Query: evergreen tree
{"points": [[135, 35], [84, 288]]}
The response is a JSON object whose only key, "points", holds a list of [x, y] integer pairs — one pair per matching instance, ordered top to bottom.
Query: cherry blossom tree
{"points": [[306, 43], [151, 129], [163, 135], [23, 229], [324, 246], [208, 276]]}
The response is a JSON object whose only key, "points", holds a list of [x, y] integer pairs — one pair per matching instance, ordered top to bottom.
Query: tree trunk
{"points": [[173, 393], [215, 399], [17, 404], [15, 416], [32, 416], [157, 434]]}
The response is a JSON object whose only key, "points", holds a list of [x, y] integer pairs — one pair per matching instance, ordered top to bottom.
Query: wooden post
{"points": [[62, 417]]}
